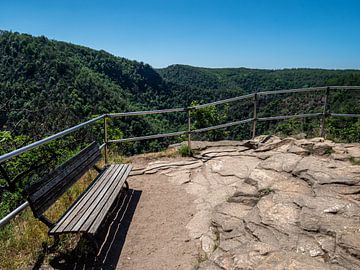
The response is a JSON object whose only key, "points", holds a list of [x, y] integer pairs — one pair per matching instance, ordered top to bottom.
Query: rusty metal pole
{"points": [[324, 114], [255, 115], [189, 130], [105, 141]]}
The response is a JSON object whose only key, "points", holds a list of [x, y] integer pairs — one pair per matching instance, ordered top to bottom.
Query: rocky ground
{"points": [[271, 203]]}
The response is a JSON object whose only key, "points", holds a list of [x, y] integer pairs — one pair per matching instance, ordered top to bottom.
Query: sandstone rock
{"points": [[322, 149], [281, 162], [273, 203]]}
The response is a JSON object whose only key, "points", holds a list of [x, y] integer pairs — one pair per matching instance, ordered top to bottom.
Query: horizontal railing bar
{"points": [[344, 87], [297, 90], [222, 101], [114, 115], [345, 115], [280, 117], [222, 125], [155, 136], [47, 139], [102, 146], [13, 213]]}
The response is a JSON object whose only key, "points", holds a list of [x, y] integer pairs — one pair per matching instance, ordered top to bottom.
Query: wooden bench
{"points": [[89, 210]]}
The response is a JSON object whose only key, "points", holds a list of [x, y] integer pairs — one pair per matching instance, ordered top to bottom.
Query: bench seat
{"points": [[90, 209]]}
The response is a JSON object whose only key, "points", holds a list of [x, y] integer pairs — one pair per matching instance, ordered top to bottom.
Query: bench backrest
{"points": [[44, 193]]}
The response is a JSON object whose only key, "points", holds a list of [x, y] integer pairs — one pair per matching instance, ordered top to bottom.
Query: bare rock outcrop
{"points": [[273, 203]]}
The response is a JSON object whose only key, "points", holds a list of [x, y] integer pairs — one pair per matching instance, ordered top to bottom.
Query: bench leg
{"points": [[126, 186], [93, 241], [52, 247]]}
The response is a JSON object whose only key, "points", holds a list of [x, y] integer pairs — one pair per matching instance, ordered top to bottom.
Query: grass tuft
{"points": [[185, 151], [22, 240]]}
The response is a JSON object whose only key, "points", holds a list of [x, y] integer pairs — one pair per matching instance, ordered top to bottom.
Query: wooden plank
{"points": [[297, 90], [222, 101], [113, 115], [281, 117], [222, 126], [155, 136], [60, 172], [61, 180], [36, 186], [51, 196], [100, 197], [77, 208], [77, 212], [101, 212], [63, 221]]}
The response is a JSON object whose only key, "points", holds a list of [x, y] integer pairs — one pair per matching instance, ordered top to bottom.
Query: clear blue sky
{"points": [[211, 33]]}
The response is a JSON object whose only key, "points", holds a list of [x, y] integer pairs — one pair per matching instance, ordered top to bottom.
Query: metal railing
{"points": [[254, 96]]}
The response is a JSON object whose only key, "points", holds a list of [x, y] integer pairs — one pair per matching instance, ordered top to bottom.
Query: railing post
{"points": [[324, 114], [255, 115], [189, 129], [105, 141]]}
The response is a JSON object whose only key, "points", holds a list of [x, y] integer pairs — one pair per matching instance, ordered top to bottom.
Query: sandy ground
{"points": [[146, 230], [157, 237]]}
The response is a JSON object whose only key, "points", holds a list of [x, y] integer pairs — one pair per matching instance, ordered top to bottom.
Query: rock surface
{"points": [[273, 203]]}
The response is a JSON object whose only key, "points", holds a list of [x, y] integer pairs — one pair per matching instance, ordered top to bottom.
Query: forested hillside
{"points": [[217, 83], [209, 84], [47, 86]]}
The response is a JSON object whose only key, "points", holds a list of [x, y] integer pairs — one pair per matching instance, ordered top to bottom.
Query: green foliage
{"points": [[47, 86], [209, 116], [185, 151], [29, 166]]}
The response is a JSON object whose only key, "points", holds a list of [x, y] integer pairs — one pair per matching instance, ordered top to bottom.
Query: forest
{"points": [[47, 86]]}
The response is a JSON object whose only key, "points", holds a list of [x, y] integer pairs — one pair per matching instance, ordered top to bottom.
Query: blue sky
{"points": [[211, 33]]}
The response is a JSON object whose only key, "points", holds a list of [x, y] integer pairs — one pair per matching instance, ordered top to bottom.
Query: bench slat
{"points": [[55, 178], [44, 193], [50, 197], [92, 200], [103, 207], [101, 213], [71, 214], [87, 215]]}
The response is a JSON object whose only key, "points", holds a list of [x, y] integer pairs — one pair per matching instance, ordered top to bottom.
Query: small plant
{"points": [[185, 151], [329, 151], [355, 161], [265, 191], [199, 260]]}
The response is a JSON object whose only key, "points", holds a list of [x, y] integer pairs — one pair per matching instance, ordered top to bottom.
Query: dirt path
{"points": [[157, 237]]}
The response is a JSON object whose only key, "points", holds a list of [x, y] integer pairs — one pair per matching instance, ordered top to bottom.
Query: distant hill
{"points": [[229, 81], [48, 85]]}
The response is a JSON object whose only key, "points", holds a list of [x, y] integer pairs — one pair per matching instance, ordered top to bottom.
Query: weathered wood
{"points": [[222, 101], [324, 114], [114, 115], [254, 115], [354, 115], [282, 117], [222, 126], [189, 130], [155, 136], [105, 141], [44, 193], [92, 199], [44, 202], [89, 212], [98, 214], [65, 219]]}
